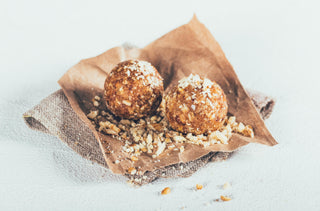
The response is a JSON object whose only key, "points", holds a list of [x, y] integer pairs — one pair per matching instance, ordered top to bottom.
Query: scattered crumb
{"points": [[226, 185], [199, 186], [165, 191], [225, 198]]}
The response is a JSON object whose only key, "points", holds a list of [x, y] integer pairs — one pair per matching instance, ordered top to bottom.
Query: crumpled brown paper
{"points": [[188, 49]]}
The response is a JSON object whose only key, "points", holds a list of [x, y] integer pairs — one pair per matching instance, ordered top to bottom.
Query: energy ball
{"points": [[133, 89], [196, 105]]}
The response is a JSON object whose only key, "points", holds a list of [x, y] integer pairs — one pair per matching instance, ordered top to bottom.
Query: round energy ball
{"points": [[133, 89], [196, 105]]}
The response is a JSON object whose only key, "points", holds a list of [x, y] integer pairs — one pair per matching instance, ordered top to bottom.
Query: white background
{"points": [[273, 46]]}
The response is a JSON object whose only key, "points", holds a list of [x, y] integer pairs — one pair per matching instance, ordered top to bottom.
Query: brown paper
{"points": [[188, 49]]}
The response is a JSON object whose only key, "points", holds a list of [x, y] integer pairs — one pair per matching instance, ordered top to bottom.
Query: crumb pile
{"points": [[152, 135]]}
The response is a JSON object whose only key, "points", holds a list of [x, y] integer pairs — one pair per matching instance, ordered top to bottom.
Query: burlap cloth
{"points": [[54, 115]]}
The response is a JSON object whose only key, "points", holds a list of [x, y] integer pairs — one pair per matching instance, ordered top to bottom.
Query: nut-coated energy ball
{"points": [[133, 89], [196, 105]]}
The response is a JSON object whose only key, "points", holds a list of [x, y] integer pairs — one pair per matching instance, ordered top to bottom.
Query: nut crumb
{"points": [[97, 98], [96, 103], [92, 114], [241, 127], [248, 131], [152, 135], [134, 158], [132, 170], [226, 185], [199, 186], [165, 191], [225, 198]]}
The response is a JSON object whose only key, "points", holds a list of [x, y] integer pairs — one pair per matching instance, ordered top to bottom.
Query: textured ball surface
{"points": [[133, 89], [196, 105]]}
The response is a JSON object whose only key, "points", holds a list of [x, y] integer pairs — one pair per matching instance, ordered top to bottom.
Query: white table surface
{"points": [[273, 46]]}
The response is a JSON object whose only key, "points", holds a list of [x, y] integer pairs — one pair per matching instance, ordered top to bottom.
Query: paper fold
{"points": [[190, 48]]}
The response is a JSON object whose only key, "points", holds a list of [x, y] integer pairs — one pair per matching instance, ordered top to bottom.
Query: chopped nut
{"points": [[96, 103], [103, 113], [92, 114], [153, 119], [232, 120], [125, 122], [142, 122], [156, 126], [122, 127], [241, 127], [109, 128], [110, 131], [248, 131], [153, 135], [218, 136], [191, 137], [221, 137], [149, 138], [179, 139], [167, 140], [171, 146], [161, 147], [134, 158], [132, 170], [137, 180], [226, 185], [199, 186], [165, 191], [225, 198]]}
